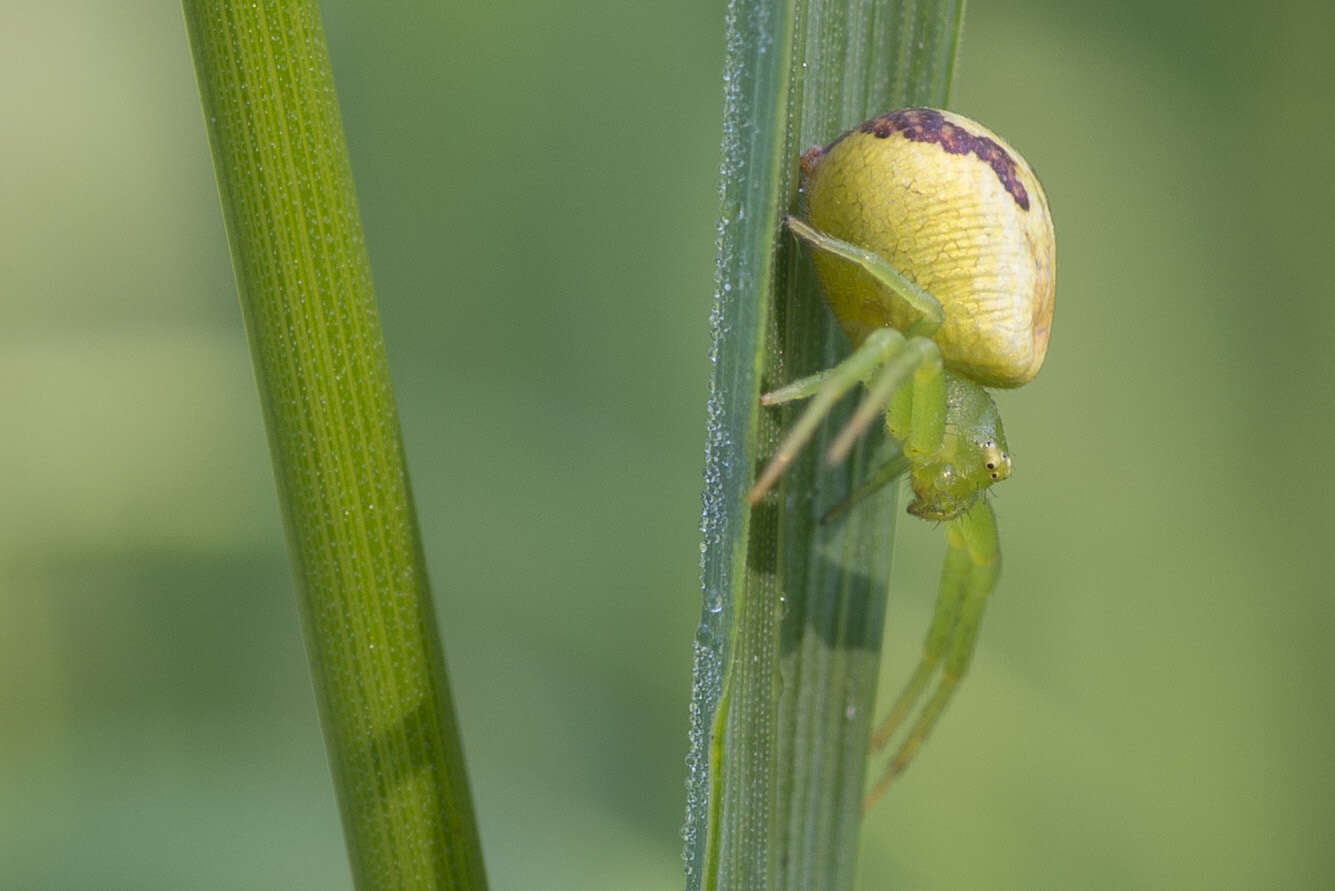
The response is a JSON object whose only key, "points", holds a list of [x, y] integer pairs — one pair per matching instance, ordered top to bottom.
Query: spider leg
{"points": [[927, 306], [877, 349], [917, 352], [798, 389], [915, 414], [927, 426], [886, 474], [973, 563], [954, 578]]}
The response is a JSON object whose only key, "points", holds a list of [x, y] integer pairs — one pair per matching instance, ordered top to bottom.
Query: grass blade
{"points": [[787, 649]]}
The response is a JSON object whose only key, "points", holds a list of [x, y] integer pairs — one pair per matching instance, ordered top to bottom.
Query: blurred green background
{"points": [[1151, 706]]}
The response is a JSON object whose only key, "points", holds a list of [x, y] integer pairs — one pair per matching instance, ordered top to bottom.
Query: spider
{"points": [[933, 244]]}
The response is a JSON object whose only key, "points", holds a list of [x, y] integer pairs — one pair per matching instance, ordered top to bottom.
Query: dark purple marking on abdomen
{"points": [[929, 125]]}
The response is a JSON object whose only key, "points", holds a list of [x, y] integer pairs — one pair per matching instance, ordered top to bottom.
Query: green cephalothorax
{"points": [[934, 247], [972, 454]]}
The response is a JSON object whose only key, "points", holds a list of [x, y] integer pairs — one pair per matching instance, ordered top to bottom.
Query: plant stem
{"points": [[309, 307]]}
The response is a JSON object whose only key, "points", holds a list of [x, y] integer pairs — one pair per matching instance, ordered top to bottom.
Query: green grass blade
{"points": [[306, 294], [787, 649]]}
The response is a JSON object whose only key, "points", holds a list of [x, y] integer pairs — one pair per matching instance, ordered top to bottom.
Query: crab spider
{"points": [[933, 243]]}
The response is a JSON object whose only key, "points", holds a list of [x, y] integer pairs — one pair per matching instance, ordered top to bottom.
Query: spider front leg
{"points": [[886, 360], [973, 562]]}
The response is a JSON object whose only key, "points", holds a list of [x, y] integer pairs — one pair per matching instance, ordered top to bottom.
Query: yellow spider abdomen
{"points": [[958, 212]]}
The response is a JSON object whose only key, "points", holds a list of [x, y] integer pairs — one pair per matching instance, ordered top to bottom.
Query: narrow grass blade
{"points": [[787, 649]]}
